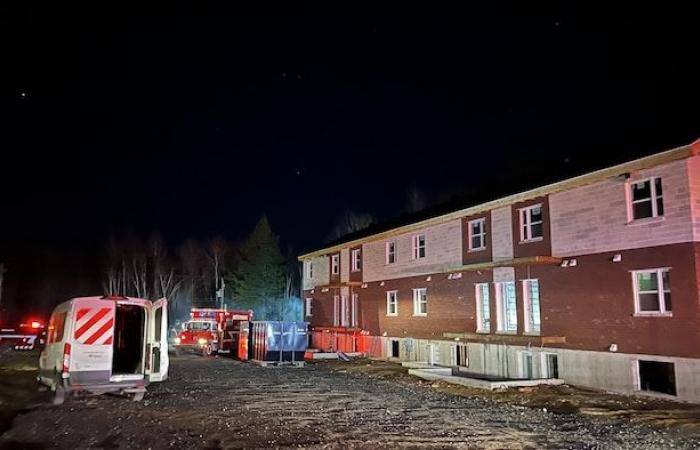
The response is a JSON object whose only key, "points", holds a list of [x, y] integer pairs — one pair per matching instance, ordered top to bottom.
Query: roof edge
{"points": [[675, 154]]}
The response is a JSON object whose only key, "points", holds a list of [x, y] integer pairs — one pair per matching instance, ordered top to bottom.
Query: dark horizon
{"points": [[196, 121]]}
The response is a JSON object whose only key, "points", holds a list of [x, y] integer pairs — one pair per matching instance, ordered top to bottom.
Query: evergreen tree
{"points": [[258, 281]]}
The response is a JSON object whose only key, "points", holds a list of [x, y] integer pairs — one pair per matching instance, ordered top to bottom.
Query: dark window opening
{"points": [[129, 325], [394, 349], [461, 356], [552, 366], [657, 376]]}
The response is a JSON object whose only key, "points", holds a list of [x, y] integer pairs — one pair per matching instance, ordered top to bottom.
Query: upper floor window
{"points": [[646, 199], [531, 223], [477, 234], [418, 246], [391, 252], [356, 260], [335, 264], [309, 270], [652, 292], [420, 302], [531, 303], [483, 308], [506, 313]]}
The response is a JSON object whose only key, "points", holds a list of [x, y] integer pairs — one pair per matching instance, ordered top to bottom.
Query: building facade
{"points": [[594, 280]]}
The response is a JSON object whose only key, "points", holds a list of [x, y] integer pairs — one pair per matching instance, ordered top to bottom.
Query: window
{"points": [[646, 199], [531, 223], [477, 234], [419, 246], [390, 252], [356, 260], [335, 264], [309, 270], [652, 292], [420, 302], [531, 302], [392, 305], [309, 306], [483, 309], [336, 310], [353, 310], [343, 311], [507, 315], [57, 325], [394, 343], [461, 355], [526, 365], [550, 365], [657, 376]]}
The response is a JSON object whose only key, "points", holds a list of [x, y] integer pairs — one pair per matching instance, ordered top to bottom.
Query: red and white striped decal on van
{"points": [[94, 326]]}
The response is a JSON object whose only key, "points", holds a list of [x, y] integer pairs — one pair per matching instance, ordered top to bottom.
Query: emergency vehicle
{"points": [[212, 331], [25, 336], [105, 344]]}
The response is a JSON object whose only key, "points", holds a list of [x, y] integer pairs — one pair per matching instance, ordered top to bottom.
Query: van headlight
{"points": [[177, 341], [202, 341]]}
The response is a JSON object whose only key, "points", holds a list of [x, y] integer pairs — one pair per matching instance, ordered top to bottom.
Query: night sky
{"points": [[196, 120]]}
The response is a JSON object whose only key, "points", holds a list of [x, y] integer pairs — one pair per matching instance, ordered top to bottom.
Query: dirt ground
{"points": [[220, 403]]}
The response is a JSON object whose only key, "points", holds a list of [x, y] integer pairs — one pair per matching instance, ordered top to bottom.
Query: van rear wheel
{"points": [[59, 396]]}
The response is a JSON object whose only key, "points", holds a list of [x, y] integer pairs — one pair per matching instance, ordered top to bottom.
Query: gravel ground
{"points": [[220, 403]]}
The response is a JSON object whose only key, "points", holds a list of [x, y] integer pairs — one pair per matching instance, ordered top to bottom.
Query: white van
{"points": [[105, 344]]}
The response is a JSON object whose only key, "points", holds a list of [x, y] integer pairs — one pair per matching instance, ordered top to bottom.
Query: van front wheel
{"points": [[206, 350], [138, 396]]}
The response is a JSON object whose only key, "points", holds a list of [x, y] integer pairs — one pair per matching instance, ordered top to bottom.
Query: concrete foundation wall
{"points": [[615, 372]]}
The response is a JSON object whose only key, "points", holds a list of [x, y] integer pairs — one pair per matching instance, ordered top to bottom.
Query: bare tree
{"points": [[350, 222], [216, 252]]}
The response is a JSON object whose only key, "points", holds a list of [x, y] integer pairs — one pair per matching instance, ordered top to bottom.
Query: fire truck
{"points": [[212, 331], [25, 336]]}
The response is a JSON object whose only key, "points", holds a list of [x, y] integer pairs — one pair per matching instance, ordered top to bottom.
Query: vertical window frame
{"points": [[654, 197], [526, 223], [482, 236], [418, 246], [390, 252], [356, 259], [335, 264], [309, 270], [662, 290], [392, 298], [419, 300], [309, 307], [502, 321], [481, 325], [529, 325]]}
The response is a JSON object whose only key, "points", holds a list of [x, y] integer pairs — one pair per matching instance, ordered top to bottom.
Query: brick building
{"points": [[593, 279]]}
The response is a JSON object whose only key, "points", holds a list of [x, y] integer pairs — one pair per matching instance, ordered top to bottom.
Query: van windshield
{"points": [[198, 326]]}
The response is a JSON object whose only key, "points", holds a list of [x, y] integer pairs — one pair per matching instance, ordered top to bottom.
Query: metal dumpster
{"points": [[278, 342]]}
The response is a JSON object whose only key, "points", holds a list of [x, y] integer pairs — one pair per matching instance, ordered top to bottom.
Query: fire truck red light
{"points": [[36, 324]]}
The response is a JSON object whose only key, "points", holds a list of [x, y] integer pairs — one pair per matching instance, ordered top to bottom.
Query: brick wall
{"points": [[593, 218], [443, 251], [344, 265], [591, 305]]}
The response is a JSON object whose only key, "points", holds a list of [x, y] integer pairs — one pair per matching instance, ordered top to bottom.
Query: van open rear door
{"points": [[89, 348], [157, 364]]}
